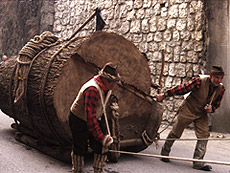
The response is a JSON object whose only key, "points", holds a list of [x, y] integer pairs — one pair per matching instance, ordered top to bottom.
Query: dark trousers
{"points": [[81, 136]]}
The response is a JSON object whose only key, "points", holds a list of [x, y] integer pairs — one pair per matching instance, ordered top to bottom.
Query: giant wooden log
{"points": [[55, 76]]}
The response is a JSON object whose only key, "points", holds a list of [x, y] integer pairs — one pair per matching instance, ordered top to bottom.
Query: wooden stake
{"points": [[83, 25], [195, 139], [174, 158]]}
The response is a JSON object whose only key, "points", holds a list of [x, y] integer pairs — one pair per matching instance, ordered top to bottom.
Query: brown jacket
{"points": [[197, 100]]}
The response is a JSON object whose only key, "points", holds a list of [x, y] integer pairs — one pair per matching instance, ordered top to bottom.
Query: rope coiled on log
{"points": [[38, 43], [26, 55], [115, 127]]}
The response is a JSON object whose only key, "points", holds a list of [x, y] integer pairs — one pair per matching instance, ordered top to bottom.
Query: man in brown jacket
{"points": [[205, 97]]}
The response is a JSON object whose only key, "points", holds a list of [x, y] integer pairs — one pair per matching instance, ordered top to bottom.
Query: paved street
{"points": [[16, 157]]}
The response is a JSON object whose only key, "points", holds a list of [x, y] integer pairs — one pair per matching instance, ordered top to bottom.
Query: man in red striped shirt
{"points": [[205, 97], [86, 120]]}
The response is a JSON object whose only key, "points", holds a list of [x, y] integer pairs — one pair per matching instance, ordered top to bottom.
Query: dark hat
{"points": [[217, 70], [109, 72]]}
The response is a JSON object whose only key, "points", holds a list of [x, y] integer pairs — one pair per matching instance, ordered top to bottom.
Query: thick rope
{"points": [[38, 43], [26, 54], [42, 88], [115, 122], [34, 128], [115, 129], [173, 158]]}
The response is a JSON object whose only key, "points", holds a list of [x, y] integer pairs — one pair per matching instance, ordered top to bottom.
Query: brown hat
{"points": [[217, 70], [109, 72]]}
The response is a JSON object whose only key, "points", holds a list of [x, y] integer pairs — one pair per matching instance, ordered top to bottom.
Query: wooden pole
{"points": [[83, 25], [162, 70], [195, 139], [174, 158]]}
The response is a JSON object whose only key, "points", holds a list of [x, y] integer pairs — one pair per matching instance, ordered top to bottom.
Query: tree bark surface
{"points": [[55, 77]]}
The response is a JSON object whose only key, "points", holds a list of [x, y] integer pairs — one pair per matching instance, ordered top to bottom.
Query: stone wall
{"points": [[177, 26]]}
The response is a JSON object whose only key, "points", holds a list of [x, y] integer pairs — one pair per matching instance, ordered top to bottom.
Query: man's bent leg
{"points": [[184, 118], [201, 130], [80, 136], [167, 146], [100, 151], [199, 153], [100, 156], [99, 162], [77, 163]]}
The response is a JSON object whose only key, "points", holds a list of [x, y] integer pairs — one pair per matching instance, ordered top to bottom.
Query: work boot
{"points": [[167, 147], [199, 153], [77, 163], [99, 163]]}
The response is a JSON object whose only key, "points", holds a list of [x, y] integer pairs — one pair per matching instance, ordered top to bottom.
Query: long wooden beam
{"points": [[173, 158]]}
